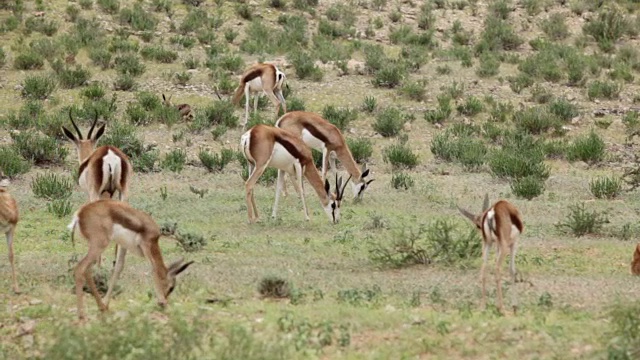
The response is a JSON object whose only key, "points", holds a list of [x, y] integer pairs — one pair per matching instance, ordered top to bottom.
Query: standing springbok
{"points": [[261, 77], [184, 109], [322, 135], [266, 146], [102, 170], [9, 217], [103, 221], [502, 224]]}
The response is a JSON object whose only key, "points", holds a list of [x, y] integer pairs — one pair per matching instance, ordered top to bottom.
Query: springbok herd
{"points": [[287, 147]]}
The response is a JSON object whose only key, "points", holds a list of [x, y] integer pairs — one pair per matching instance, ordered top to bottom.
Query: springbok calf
{"points": [[261, 77], [184, 109], [322, 135], [266, 146], [102, 170], [9, 217], [103, 221], [502, 224], [635, 263]]}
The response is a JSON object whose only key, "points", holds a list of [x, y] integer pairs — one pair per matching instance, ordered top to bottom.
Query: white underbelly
{"points": [[255, 84], [312, 141], [281, 158], [126, 238]]}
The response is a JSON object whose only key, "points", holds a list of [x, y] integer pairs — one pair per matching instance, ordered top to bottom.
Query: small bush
{"points": [[109, 6], [138, 18], [609, 26], [555, 27], [159, 54], [100, 57], [28, 61], [129, 64], [489, 65], [305, 66], [389, 76], [72, 78], [125, 82], [38, 87], [414, 90], [603, 90], [95, 91], [369, 104], [471, 107], [563, 109], [340, 117], [536, 120], [389, 122], [124, 137], [589, 148], [39, 149], [361, 149], [400, 156], [520, 156], [174, 160], [146, 161], [216, 162], [11, 163], [401, 180], [51, 186], [528, 187], [606, 187], [60, 207], [582, 222], [190, 242], [274, 287], [624, 330]]}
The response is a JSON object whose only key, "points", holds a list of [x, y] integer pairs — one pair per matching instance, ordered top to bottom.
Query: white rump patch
{"points": [[489, 226]]}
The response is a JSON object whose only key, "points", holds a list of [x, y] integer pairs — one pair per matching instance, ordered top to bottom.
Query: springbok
{"points": [[261, 77], [184, 109], [322, 135], [266, 146], [9, 217], [103, 221], [502, 224], [635, 263]]}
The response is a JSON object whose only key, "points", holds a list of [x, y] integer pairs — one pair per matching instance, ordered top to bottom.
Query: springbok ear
{"points": [[100, 132], [69, 134], [364, 174], [338, 184], [327, 187], [485, 203], [467, 214], [182, 268]]}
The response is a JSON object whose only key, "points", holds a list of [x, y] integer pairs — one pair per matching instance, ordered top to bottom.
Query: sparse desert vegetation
{"points": [[534, 101]]}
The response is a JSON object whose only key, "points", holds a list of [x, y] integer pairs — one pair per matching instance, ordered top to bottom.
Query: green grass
{"points": [[508, 101]]}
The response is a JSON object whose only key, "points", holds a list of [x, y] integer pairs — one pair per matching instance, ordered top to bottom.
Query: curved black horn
{"points": [[95, 121], [74, 125], [345, 186]]}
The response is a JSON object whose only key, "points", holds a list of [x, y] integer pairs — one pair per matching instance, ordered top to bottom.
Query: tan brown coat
{"points": [[261, 77], [9, 216]]}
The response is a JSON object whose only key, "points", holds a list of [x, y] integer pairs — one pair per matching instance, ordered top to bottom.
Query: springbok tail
{"points": [[239, 92], [72, 226]]}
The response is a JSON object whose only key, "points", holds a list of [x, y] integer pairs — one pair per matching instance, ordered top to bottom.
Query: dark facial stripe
{"points": [[315, 132]]}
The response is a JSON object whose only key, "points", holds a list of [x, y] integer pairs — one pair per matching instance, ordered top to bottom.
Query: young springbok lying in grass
{"points": [[261, 77], [184, 109], [322, 135], [266, 146], [9, 217], [103, 221], [502, 224], [635, 263]]}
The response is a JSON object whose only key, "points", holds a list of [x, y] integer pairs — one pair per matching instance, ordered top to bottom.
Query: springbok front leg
{"points": [[249, 186], [117, 270], [14, 278]]}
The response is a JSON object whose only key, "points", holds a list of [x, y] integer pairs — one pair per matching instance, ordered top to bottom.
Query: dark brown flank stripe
{"points": [[252, 75], [315, 132], [291, 148], [517, 222]]}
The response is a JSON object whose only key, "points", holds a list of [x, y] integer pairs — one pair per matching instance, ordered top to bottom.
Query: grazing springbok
{"points": [[261, 77], [184, 109], [322, 135], [266, 146], [9, 217], [103, 221], [502, 224], [635, 263]]}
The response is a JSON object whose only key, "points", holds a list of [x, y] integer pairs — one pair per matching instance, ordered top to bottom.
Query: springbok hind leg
{"points": [[14, 279]]}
